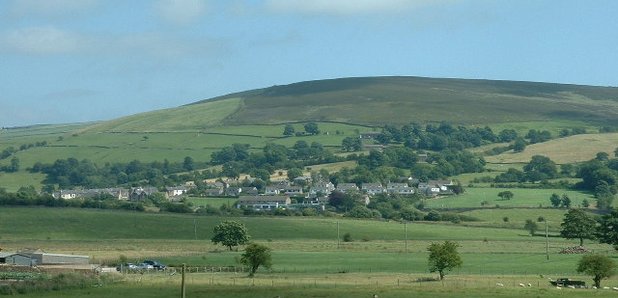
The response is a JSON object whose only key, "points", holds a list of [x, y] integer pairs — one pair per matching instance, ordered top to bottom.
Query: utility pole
{"points": [[195, 228], [405, 228], [338, 239], [546, 240], [182, 283]]}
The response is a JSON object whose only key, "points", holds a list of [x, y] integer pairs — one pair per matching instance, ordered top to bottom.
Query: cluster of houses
{"points": [[276, 195], [279, 195]]}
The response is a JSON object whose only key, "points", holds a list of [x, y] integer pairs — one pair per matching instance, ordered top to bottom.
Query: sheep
{"points": [[499, 284], [522, 285], [529, 285], [571, 287], [594, 287], [605, 288], [615, 288]]}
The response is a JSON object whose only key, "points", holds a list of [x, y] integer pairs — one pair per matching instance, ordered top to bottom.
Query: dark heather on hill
{"points": [[398, 100]]}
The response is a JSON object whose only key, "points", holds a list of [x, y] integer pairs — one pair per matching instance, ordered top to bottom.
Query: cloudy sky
{"points": [[64, 61]]}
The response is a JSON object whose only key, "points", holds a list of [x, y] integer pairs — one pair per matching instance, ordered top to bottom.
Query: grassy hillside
{"points": [[564, 150]]}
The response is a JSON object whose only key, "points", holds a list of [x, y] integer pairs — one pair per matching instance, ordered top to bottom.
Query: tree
{"points": [[312, 128], [288, 130], [351, 144], [519, 145], [188, 164], [540, 168], [294, 173], [506, 195], [555, 200], [566, 201], [578, 224], [531, 226], [607, 232], [230, 233], [256, 255], [443, 257], [598, 266]]}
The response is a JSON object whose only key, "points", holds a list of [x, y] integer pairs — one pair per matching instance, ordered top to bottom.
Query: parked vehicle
{"points": [[155, 264], [145, 266], [127, 267], [566, 282]]}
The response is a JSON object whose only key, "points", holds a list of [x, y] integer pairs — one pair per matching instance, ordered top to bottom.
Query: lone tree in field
{"points": [[506, 195], [578, 225], [531, 226], [607, 232], [230, 233], [256, 255], [443, 257], [597, 266]]}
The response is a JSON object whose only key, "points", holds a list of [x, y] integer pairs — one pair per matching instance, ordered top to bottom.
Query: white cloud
{"points": [[348, 7], [51, 8], [181, 11], [39, 40]]}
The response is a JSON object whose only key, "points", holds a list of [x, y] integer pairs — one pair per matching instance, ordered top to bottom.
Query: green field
{"points": [[530, 198], [308, 260]]}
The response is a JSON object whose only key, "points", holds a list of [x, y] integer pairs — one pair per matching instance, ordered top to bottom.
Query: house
{"points": [[369, 135], [302, 180], [345, 187], [434, 187], [321, 188], [373, 188], [399, 188], [271, 190], [176, 191], [233, 191], [249, 191], [293, 191], [213, 192], [117, 193], [140, 193], [263, 202]]}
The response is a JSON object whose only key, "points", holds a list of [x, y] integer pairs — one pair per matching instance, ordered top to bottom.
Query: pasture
{"points": [[523, 197], [385, 257]]}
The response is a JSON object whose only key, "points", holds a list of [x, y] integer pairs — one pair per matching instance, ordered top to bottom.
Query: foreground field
{"points": [[385, 258], [339, 285]]}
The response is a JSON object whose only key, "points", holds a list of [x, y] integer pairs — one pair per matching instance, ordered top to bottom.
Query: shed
{"points": [[17, 259]]}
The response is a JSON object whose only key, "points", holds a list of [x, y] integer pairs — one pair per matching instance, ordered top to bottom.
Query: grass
{"points": [[572, 149], [530, 198], [308, 260]]}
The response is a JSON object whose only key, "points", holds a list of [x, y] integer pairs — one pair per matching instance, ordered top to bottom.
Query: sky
{"points": [[67, 61]]}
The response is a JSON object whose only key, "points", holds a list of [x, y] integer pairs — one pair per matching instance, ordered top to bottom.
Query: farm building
{"points": [[42, 258], [17, 259]]}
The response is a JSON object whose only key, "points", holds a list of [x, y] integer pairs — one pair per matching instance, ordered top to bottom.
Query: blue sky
{"points": [[64, 61]]}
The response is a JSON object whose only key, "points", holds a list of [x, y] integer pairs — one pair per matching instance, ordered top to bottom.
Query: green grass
{"points": [[531, 198], [214, 202], [307, 258]]}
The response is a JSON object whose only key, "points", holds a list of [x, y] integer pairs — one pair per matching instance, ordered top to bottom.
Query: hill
{"points": [[382, 100]]}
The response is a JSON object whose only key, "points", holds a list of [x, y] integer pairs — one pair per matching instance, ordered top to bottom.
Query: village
{"points": [[301, 192]]}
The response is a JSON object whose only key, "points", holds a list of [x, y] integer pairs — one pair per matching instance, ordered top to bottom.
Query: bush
{"points": [[347, 237]]}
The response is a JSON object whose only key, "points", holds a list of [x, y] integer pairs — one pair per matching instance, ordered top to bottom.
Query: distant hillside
{"points": [[382, 100]]}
